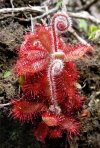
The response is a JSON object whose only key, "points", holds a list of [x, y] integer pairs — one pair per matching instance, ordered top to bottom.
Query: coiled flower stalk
{"points": [[60, 23], [55, 69]]}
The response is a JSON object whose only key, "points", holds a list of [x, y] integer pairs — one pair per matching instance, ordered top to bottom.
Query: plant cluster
{"points": [[47, 76]]}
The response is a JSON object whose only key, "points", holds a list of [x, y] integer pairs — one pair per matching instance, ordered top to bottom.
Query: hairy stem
{"points": [[60, 23], [54, 70]]}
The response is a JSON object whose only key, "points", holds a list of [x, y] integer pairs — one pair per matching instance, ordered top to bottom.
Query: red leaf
{"points": [[45, 37], [74, 52], [24, 66], [24, 110], [50, 119], [70, 125], [41, 132], [55, 133]]}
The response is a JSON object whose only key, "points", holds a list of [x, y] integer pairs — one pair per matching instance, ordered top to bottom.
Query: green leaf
{"points": [[59, 3], [83, 24], [93, 28], [93, 32], [92, 35], [7, 74]]}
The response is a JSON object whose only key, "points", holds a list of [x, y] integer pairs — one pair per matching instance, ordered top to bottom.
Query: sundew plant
{"points": [[47, 76]]}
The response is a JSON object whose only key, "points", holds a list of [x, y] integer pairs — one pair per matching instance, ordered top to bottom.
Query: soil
{"points": [[12, 133]]}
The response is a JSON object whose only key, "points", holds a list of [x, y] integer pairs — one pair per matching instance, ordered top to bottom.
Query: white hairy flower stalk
{"points": [[61, 22], [54, 70]]}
